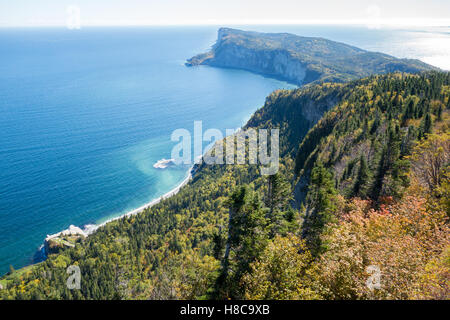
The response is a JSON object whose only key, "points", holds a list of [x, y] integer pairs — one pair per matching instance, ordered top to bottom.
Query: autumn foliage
{"points": [[403, 240]]}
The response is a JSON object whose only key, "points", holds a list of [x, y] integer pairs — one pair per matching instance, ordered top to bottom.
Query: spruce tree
{"points": [[439, 113], [426, 125], [362, 179], [277, 201], [321, 206]]}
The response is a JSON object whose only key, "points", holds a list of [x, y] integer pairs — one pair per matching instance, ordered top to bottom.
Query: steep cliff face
{"points": [[299, 60], [275, 63], [278, 63], [294, 112]]}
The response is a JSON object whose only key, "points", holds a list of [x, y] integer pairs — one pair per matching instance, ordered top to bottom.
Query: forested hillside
{"points": [[363, 187]]}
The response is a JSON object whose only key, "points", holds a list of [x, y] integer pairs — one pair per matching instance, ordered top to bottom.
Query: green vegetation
{"points": [[300, 60], [366, 185], [14, 276]]}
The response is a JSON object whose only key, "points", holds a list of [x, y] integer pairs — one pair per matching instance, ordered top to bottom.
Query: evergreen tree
{"points": [[409, 112], [439, 113], [376, 123], [426, 125], [362, 180], [279, 192], [277, 201], [321, 206], [247, 239]]}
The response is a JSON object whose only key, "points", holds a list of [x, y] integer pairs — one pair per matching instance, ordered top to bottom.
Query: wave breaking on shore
{"points": [[89, 229]]}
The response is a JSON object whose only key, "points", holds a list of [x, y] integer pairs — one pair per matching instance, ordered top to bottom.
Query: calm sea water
{"points": [[85, 114]]}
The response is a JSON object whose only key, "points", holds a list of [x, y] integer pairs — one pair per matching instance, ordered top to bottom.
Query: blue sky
{"points": [[173, 12]]}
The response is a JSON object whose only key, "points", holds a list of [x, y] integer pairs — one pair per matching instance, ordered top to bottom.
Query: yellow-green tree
{"points": [[283, 272]]}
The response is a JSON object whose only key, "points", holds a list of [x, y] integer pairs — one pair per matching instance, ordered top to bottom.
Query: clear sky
{"points": [[176, 12]]}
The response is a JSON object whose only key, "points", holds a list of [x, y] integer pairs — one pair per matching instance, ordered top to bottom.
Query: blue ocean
{"points": [[85, 114]]}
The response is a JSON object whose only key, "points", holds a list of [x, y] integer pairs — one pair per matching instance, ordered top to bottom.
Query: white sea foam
{"points": [[164, 163], [91, 228], [72, 230]]}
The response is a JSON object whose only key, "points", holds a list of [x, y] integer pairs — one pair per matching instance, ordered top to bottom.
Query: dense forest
{"points": [[358, 210]]}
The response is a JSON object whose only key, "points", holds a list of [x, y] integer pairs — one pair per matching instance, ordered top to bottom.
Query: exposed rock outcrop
{"points": [[299, 60], [64, 239]]}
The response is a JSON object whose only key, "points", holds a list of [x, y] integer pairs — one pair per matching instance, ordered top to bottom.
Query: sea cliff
{"points": [[299, 60]]}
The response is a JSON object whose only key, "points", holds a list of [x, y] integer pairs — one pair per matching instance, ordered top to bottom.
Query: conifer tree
{"points": [[426, 125], [360, 187], [321, 206]]}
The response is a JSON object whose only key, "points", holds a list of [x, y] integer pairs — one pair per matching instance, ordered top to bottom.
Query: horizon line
{"points": [[371, 23]]}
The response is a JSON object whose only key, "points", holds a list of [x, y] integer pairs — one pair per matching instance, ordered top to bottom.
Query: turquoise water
{"points": [[84, 115]]}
